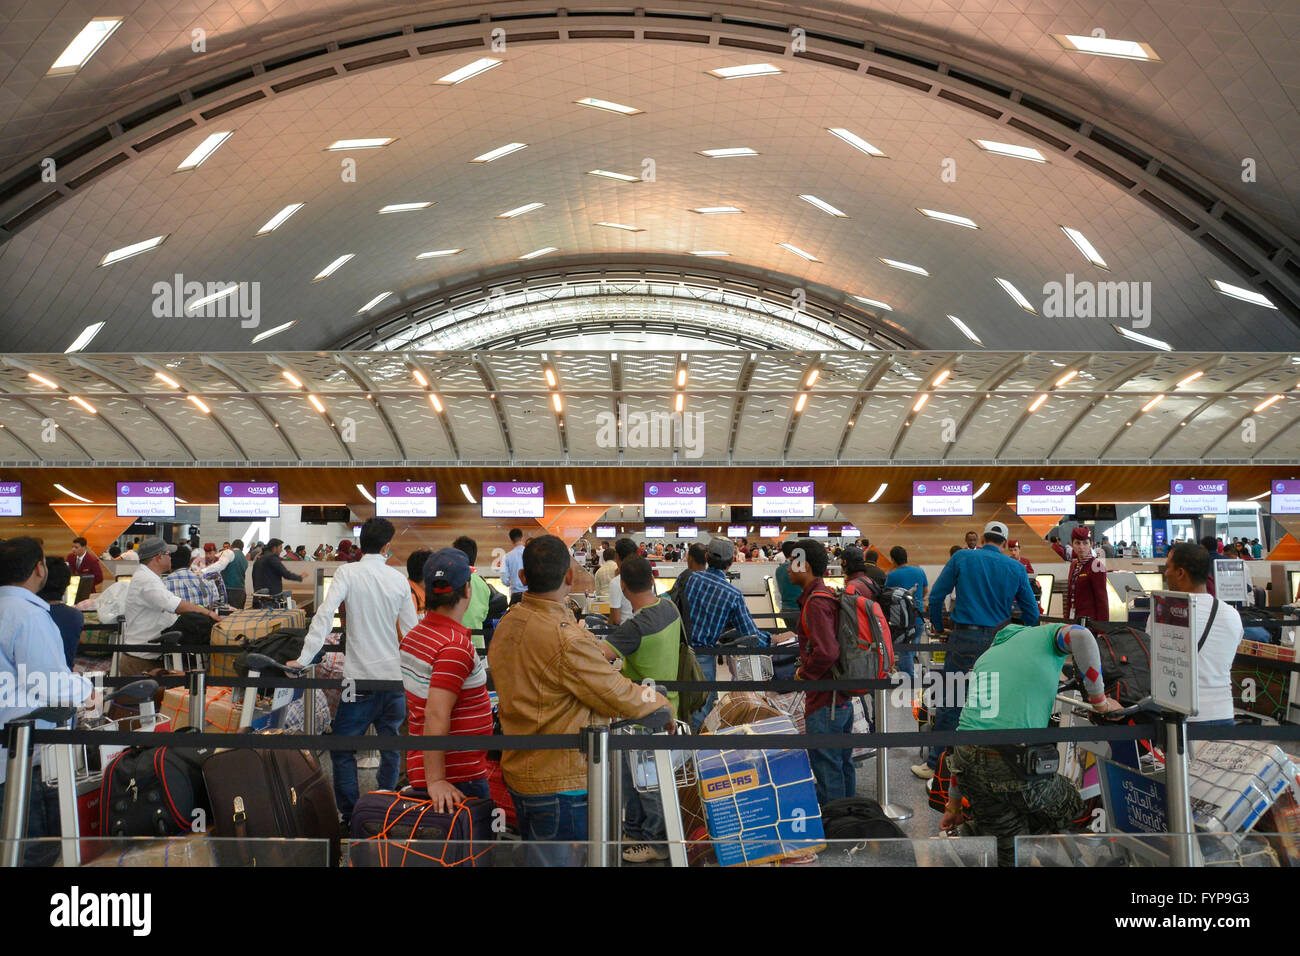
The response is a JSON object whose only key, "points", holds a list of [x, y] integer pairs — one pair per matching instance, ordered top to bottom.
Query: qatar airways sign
{"points": [[1052, 497], [1198, 497], [943, 498], [11, 499], [146, 499], [248, 499], [406, 499], [513, 499], [676, 499], [783, 499], [1285, 499]]}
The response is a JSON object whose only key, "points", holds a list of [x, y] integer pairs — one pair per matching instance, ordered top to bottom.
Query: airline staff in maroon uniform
{"points": [[1085, 589]]}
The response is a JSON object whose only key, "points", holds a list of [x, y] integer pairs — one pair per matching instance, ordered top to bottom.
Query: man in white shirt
{"points": [[512, 564], [1187, 568], [150, 608], [620, 608], [380, 612]]}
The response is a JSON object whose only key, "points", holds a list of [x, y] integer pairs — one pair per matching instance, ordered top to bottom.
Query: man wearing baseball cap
{"points": [[987, 583], [1085, 587], [150, 608], [446, 685]]}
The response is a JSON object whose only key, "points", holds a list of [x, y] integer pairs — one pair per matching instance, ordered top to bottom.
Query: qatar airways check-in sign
{"points": [[1053, 497], [1198, 497], [943, 498], [11, 499], [146, 499], [248, 499], [406, 499], [513, 499], [676, 499], [783, 499], [1285, 499]]}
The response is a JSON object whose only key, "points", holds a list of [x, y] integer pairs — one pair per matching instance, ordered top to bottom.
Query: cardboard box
{"points": [[736, 708], [761, 805]]}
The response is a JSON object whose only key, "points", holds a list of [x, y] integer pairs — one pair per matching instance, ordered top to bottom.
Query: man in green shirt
{"points": [[234, 574], [788, 591], [480, 593], [648, 643], [1013, 686]]}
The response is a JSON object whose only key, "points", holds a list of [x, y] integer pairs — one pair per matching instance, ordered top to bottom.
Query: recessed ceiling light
{"points": [[84, 45], [1105, 46], [749, 69], [469, 71], [607, 106], [854, 140], [373, 142], [1010, 149], [204, 150], [500, 151], [727, 152], [607, 174], [824, 206], [404, 207], [520, 210], [716, 210], [948, 217], [278, 220], [619, 225], [1087, 248], [126, 252], [439, 252], [539, 252], [709, 252], [798, 252], [905, 266], [333, 267], [1015, 294], [1245, 295], [212, 297], [374, 302], [874, 303], [965, 330], [275, 331], [1143, 339], [82, 340], [419, 377], [812, 378], [941, 378], [1066, 378], [166, 379], [292, 379], [1189, 379], [48, 383], [555, 400], [920, 401], [435, 402], [681, 402], [800, 402], [1038, 402], [1267, 402], [1153, 403], [199, 404], [316, 404], [464, 490], [568, 490], [980, 490], [879, 491], [365, 493], [71, 494], [1262, 494]]}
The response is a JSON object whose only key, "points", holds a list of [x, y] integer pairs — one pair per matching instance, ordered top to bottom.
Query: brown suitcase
{"points": [[248, 625], [262, 794]]}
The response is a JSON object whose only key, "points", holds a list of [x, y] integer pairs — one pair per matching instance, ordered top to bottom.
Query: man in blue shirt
{"points": [[512, 564], [910, 578], [987, 582], [33, 667]]}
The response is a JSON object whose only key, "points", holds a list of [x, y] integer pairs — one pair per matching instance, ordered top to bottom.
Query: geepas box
{"points": [[760, 805]]}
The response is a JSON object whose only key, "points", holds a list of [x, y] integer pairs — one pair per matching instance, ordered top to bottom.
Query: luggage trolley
{"points": [[281, 698], [650, 769]]}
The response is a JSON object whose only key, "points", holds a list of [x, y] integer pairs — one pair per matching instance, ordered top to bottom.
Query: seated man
{"points": [[648, 643], [551, 678], [446, 686], [1013, 686]]}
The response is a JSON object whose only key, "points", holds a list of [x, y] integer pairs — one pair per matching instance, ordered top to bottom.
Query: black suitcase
{"points": [[152, 792], [266, 794], [393, 829]]}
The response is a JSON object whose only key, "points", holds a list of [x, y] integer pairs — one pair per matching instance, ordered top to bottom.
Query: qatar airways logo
{"points": [[1059, 488], [261, 489], [418, 489], [796, 489], [955, 489], [152, 490], [689, 490]]}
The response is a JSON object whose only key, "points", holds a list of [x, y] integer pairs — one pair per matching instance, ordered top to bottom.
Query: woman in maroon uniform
{"points": [[1085, 589]]}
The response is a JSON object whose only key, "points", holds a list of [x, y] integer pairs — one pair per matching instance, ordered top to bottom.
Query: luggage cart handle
{"points": [[260, 662], [138, 690], [657, 720]]}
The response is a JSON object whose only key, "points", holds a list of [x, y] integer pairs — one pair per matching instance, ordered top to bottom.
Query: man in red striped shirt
{"points": [[446, 686]]}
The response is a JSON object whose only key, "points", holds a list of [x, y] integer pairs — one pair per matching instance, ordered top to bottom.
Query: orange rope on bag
{"points": [[422, 807]]}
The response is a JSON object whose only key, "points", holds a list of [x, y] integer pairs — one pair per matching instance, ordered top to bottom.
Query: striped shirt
{"points": [[437, 653]]}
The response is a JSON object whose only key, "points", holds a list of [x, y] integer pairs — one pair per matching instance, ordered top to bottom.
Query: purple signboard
{"points": [[1055, 496], [1198, 496], [943, 498], [11, 499], [146, 499], [248, 499], [406, 499], [513, 499], [676, 499], [783, 499], [1285, 499], [819, 531]]}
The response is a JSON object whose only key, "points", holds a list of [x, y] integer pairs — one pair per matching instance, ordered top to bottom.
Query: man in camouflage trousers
{"points": [[1013, 686]]}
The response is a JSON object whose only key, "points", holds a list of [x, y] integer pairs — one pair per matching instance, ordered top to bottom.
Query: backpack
{"points": [[900, 610], [284, 644], [866, 650], [1125, 660], [688, 669], [152, 791], [861, 818]]}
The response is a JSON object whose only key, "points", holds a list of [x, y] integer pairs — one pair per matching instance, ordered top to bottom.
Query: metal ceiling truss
{"points": [[1236, 234]]}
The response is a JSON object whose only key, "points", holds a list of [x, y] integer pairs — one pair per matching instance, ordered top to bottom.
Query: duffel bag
{"points": [[284, 644], [153, 792], [404, 829]]}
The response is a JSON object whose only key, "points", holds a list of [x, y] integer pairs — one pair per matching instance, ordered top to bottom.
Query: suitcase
{"points": [[243, 627], [152, 792], [266, 794], [403, 829]]}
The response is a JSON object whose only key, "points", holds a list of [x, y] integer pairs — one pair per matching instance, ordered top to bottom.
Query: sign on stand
{"points": [[1230, 580], [1173, 652]]}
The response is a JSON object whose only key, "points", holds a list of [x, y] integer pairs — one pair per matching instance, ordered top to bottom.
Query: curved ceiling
{"points": [[1221, 90]]}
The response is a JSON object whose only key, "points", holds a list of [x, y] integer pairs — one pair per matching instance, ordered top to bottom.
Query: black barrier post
{"points": [[198, 698], [596, 739], [18, 786]]}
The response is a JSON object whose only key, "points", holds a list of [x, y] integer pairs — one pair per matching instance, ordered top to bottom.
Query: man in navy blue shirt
{"points": [[987, 583]]}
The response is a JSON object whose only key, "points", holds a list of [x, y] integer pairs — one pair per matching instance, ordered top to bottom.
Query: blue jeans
{"points": [[965, 645], [906, 661], [709, 670], [385, 710], [833, 770], [471, 788], [643, 813], [42, 820], [559, 821]]}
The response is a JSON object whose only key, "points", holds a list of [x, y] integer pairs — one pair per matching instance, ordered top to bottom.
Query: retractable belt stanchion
{"points": [[198, 698], [880, 701], [309, 704], [18, 786], [598, 786], [1177, 794], [614, 807]]}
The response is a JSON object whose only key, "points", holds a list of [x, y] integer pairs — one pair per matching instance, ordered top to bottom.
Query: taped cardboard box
{"points": [[737, 708], [761, 805]]}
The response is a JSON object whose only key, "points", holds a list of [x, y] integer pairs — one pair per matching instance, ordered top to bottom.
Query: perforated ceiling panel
{"points": [[874, 429]]}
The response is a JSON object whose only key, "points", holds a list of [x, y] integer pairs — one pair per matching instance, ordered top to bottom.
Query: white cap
{"points": [[997, 528]]}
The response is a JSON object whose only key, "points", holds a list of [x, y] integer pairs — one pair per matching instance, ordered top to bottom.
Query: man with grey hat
{"points": [[150, 608]]}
